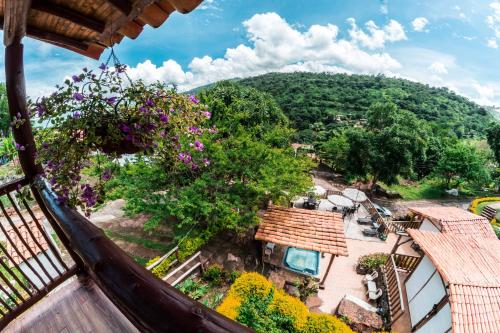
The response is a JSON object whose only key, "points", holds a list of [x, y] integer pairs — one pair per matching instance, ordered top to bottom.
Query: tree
{"points": [[4, 112], [493, 135], [460, 163]]}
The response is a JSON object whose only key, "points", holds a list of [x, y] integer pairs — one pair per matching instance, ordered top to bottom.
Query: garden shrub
{"points": [[476, 202], [189, 246], [152, 261], [372, 261], [162, 269], [214, 274], [253, 301], [325, 323]]}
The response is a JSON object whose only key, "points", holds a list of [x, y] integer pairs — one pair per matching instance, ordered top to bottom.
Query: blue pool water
{"points": [[302, 261]]}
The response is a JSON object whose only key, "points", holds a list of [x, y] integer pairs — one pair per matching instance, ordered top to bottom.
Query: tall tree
{"points": [[493, 135], [460, 163]]}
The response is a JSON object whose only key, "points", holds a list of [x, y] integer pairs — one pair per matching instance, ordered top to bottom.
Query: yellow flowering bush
{"points": [[476, 202], [255, 302], [325, 323]]}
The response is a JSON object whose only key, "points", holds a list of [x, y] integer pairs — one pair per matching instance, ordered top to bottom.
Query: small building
{"points": [[451, 219], [296, 239], [32, 254], [453, 287]]}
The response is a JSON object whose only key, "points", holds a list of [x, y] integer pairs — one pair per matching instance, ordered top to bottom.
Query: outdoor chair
{"points": [[365, 220], [370, 277], [374, 295]]}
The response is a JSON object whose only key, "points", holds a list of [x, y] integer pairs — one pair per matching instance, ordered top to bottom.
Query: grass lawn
{"points": [[417, 191], [481, 206]]}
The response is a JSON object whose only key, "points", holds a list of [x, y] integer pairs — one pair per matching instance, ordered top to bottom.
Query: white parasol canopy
{"points": [[319, 190], [355, 194], [339, 200]]}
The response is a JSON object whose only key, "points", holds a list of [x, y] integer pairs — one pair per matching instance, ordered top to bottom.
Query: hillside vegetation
{"points": [[320, 102]]}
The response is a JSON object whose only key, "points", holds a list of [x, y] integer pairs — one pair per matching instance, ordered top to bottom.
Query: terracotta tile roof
{"points": [[456, 220], [305, 229], [17, 243], [471, 267]]}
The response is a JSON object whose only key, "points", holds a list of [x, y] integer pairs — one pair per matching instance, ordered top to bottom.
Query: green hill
{"points": [[313, 100]]}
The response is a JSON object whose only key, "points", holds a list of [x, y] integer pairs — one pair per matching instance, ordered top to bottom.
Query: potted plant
{"points": [[104, 115]]}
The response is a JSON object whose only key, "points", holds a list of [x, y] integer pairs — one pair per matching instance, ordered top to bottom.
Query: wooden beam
{"points": [[122, 5], [69, 15], [15, 18], [56, 38], [322, 283]]}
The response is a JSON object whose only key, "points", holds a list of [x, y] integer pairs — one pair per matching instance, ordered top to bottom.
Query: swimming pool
{"points": [[302, 261]]}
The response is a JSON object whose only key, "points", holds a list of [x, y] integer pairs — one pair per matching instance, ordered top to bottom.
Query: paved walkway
{"points": [[343, 279]]}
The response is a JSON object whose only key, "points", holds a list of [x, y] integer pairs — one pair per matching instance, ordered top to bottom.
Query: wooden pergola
{"points": [[88, 27], [304, 229]]}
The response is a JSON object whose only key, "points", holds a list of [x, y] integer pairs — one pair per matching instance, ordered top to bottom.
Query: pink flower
{"points": [[193, 99], [207, 114]]}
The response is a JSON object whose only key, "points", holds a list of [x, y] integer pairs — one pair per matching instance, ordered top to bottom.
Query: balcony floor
{"points": [[72, 307]]}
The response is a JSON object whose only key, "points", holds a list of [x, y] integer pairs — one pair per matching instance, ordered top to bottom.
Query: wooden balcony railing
{"points": [[368, 205], [401, 226], [395, 263], [31, 265], [393, 289]]}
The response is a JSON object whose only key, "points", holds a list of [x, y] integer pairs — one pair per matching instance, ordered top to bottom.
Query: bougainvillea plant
{"points": [[103, 114]]}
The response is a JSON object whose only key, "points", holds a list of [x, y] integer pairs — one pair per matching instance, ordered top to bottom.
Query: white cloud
{"points": [[493, 20], [419, 24], [376, 37], [492, 42], [282, 48], [438, 68], [486, 93]]}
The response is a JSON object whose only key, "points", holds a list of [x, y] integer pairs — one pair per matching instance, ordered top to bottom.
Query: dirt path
{"points": [[128, 233]]}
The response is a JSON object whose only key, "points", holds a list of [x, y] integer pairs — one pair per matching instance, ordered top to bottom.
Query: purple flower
{"points": [[103, 67], [121, 68], [76, 78], [78, 96], [193, 99], [111, 100], [149, 102], [143, 109], [40, 110], [171, 110], [207, 114], [77, 115], [164, 118], [124, 128], [194, 130], [212, 130], [163, 134], [175, 138], [45, 145], [198, 145], [20, 147], [206, 161], [194, 166], [106, 175], [52, 181], [88, 195]]}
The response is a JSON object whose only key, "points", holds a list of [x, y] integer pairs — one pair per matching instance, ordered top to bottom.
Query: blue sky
{"points": [[442, 43]]}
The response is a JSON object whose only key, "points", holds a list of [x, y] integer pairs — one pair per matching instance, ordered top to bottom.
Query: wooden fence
{"points": [[401, 226], [30, 264]]}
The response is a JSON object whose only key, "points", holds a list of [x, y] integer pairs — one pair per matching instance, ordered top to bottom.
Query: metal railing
{"points": [[368, 205], [31, 263]]}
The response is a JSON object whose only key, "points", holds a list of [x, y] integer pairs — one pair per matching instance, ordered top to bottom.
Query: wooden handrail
{"points": [[164, 257], [401, 299], [149, 303]]}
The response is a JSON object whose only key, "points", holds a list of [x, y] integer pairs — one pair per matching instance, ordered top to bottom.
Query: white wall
{"points": [[428, 226], [46, 264], [424, 289], [439, 323]]}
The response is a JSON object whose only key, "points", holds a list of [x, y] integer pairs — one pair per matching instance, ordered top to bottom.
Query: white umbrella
{"points": [[319, 190], [354, 194], [339, 200]]}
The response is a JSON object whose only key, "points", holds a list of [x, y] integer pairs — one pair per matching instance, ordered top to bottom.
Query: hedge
{"points": [[476, 202], [281, 309]]}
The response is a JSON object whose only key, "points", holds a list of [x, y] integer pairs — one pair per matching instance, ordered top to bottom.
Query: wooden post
{"points": [[15, 17], [322, 283]]}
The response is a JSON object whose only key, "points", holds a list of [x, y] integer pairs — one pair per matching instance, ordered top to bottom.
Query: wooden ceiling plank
{"points": [[122, 5], [69, 14], [153, 15], [131, 30], [56, 38]]}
